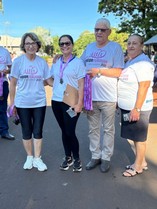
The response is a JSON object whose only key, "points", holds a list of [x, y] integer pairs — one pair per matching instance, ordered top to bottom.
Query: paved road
{"points": [[55, 189]]}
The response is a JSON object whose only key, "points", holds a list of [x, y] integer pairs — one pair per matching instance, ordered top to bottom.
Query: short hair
{"points": [[104, 21], [68, 36], [139, 36], [34, 37]]}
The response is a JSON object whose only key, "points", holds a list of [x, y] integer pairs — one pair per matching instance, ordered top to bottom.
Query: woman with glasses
{"points": [[68, 70], [28, 73]]}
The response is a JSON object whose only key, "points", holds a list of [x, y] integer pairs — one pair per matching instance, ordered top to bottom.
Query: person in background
{"points": [[102, 59], [5, 67], [68, 69], [29, 98], [135, 99]]}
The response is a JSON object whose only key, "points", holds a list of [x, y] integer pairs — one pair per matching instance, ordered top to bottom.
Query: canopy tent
{"points": [[151, 41], [151, 45]]}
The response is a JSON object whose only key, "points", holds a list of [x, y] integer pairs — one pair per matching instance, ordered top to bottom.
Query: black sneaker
{"points": [[68, 161], [77, 167]]}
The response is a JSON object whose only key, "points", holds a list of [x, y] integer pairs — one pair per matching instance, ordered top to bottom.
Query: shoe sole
{"points": [[28, 168], [39, 168], [67, 168], [77, 169]]}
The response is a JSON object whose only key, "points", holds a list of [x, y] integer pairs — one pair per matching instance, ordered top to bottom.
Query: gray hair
{"points": [[105, 21]]}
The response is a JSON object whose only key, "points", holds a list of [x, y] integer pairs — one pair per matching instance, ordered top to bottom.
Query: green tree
{"points": [[136, 16], [119, 37], [85, 38], [46, 40], [55, 45]]}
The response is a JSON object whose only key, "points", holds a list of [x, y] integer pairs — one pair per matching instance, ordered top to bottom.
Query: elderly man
{"points": [[103, 59], [5, 66]]}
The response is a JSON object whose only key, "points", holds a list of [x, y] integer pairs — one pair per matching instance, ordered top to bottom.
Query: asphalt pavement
{"points": [[56, 189]]}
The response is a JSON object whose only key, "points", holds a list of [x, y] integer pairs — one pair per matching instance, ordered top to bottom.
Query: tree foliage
{"points": [[136, 16], [45, 38], [85, 38]]}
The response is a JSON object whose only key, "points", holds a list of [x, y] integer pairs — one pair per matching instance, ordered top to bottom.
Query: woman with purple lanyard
{"points": [[68, 70]]}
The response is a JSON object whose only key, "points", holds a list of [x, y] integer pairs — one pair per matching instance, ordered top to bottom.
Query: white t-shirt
{"points": [[110, 56], [5, 59], [137, 70], [74, 71], [30, 91]]}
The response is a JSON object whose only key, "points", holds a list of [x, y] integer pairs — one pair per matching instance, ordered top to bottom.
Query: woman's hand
{"points": [[78, 108]]}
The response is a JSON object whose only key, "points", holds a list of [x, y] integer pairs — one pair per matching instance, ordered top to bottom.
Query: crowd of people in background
{"points": [[117, 80]]}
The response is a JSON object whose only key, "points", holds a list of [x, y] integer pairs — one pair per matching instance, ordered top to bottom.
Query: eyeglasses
{"points": [[103, 30], [31, 44], [61, 44]]}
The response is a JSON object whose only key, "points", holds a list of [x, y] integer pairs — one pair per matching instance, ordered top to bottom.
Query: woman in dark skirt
{"points": [[135, 99]]}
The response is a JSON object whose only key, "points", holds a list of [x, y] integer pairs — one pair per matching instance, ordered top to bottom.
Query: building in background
{"points": [[11, 43]]}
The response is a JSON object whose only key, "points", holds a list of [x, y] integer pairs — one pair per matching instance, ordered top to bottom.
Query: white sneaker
{"points": [[29, 163], [38, 163]]}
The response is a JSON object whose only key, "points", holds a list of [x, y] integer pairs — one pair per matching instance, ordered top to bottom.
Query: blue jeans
{"points": [[3, 110]]}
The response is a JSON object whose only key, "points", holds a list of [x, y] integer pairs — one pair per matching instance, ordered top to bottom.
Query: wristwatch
{"points": [[99, 73], [137, 109]]}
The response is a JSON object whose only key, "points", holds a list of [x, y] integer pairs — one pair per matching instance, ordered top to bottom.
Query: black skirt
{"points": [[135, 130]]}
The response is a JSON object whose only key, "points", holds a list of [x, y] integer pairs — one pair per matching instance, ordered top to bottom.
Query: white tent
{"points": [[151, 41]]}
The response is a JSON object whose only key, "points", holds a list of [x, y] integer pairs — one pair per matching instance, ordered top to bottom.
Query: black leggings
{"points": [[32, 120], [68, 126]]}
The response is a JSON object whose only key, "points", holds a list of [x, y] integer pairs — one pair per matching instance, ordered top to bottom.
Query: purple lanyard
{"points": [[62, 67], [1, 84], [88, 93]]}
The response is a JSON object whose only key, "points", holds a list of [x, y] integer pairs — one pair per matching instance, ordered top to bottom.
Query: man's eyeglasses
{"points": [[101, 29], [31, 44], [61, 44]]}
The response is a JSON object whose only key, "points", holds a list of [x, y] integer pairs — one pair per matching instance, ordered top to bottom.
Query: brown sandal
{"points": [[131, 172]]}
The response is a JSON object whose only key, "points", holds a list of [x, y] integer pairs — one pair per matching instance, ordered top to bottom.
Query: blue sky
{"points": [[60, 17]]}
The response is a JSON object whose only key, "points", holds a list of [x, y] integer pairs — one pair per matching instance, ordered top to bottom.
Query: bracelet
{"points": [[137, 109]]}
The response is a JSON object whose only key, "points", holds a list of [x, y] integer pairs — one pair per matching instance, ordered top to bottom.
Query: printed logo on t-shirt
{"points": [[31, 73]]}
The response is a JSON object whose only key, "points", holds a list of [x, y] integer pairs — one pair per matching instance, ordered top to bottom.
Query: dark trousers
{"points": [[3, 110], [32, 121], [68, 126]]}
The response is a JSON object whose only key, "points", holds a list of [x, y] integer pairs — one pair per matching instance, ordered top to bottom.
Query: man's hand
{"points": [[93, 72]]}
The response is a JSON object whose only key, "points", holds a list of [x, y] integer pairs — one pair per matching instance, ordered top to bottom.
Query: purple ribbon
{"points": [[1, 83], [88, 93]]}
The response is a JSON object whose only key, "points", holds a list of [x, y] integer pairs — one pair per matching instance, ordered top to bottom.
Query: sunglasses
{"points": [[101, 29], [61, 44]]}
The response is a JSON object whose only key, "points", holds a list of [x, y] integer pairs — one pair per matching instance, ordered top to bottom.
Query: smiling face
{"points": [[101, 33], [30, 46], [66, 46], [134, 46]]}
